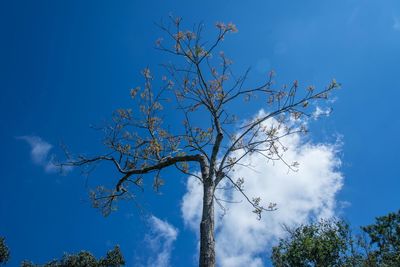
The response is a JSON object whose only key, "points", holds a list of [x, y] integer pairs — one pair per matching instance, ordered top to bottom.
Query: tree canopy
{"points": [[384, 237], [325, 243], [331, 243], [4, 251], [113, 258]]}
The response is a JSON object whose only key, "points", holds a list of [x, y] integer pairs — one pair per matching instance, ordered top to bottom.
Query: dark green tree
{"points": [[384, 237], [331, 243], [321, 244], [4, 251], [113, 258]]}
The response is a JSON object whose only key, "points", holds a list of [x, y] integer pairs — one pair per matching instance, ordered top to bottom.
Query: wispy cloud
{"points": [[354, 15], [396, 24], [319, 112], [40, 153], [242, 240], [160, 241]]}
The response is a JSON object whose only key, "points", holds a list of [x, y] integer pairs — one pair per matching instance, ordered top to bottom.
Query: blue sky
{"points": [[66, 65]]}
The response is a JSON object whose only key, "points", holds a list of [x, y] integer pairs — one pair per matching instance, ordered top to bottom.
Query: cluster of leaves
{"points": [[331, 243], [4, 251], [113, 258]]}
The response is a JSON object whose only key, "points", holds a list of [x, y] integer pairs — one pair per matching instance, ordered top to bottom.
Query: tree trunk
{"points": [[207, 242]]}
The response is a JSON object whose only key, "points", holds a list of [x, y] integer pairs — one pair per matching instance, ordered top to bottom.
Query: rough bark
{"points": [[207, 241]]}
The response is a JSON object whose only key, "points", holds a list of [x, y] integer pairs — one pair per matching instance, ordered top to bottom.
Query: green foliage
{"points": [[384, 237], [325, 243], [331, 243], [4, 251], [113, 258]]}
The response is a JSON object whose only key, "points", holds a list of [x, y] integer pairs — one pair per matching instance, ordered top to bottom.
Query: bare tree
{"points": [[201, 82]]}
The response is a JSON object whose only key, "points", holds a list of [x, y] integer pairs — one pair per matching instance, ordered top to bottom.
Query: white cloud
{"points": [[40, 154], [192, 203], [242, 240], [160, 241]]}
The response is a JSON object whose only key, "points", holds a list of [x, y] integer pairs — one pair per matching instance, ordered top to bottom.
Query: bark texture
{"points": [[207, 241]]}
